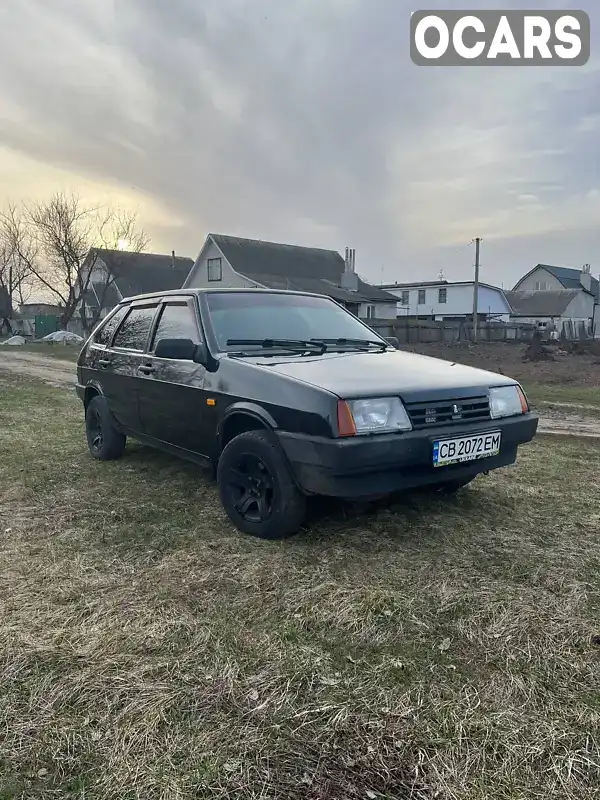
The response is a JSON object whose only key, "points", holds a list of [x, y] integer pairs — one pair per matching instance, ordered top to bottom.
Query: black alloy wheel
{"points": [[105, 440], [251, 487], [257, 488]]}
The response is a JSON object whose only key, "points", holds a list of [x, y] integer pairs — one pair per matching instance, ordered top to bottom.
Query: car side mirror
{"points": [[393, 341], [180, 349], [201, 354]]}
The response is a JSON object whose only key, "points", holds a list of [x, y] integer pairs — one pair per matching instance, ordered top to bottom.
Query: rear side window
{"points": [[177, 321], [107, 331], [133, 333]]}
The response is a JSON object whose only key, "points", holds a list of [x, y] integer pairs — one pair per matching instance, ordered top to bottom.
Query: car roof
{"points": [[198, 292]]}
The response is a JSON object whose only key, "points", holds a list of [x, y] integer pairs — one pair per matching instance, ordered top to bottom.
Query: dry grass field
{"points": [[431, 648]]}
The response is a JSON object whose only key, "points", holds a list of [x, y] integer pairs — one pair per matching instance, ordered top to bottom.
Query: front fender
{"points": [[249, 410]]}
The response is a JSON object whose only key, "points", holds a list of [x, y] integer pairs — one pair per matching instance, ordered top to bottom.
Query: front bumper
{"points": [[363, 466]]}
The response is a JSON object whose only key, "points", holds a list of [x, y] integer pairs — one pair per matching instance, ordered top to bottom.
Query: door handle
{"points": [[104, 362], [146, 369]]}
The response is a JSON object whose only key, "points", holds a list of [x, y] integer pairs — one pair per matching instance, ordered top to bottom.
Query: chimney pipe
{"points": [[173, 258], [353, 260], [346, 263]]}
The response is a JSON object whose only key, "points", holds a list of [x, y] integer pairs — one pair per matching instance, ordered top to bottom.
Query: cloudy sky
{"points": [[303, 121]]}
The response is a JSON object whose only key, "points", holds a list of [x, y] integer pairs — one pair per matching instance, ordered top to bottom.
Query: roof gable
{"points": [[254, 257], [285, 266], [143, 273], [568, 277]]}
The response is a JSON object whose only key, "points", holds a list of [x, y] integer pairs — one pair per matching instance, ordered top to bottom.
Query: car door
{"points": [[119, 365], [171, 395]]}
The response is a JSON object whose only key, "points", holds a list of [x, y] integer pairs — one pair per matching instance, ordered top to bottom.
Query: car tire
{"points": [[105, 440], [257, 488]]}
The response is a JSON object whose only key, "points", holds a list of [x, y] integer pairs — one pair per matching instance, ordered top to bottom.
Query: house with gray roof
{"points": [[234, 263], [116, 274], [544, 278], [552, 296], [552, 310]]}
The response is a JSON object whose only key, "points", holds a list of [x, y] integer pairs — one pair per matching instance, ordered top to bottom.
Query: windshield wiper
{"points": [[362, 344], [295, 345]]}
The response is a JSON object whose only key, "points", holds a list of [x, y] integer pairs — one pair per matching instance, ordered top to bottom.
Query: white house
{"points": [[234, 263], [445, 300]]}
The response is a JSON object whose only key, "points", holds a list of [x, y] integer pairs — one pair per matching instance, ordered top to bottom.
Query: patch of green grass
{"points": [[577, 395], [583, 400], [435, 648]]}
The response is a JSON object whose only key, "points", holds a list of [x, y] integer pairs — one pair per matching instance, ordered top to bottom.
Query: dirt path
{"points": [[51, 370], [62, 373], [570, 406], [570, 426]]}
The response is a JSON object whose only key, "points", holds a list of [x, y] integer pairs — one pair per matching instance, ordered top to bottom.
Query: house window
{"points": [[215, 269], [541, 286], [442, 295], [405, 297], [422, 297], [370, 312]]}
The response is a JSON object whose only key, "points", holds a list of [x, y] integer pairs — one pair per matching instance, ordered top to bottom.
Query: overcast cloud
{"points": [[302, 121]]}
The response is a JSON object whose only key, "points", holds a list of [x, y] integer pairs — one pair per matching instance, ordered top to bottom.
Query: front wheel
{"points": [[257, 488]]}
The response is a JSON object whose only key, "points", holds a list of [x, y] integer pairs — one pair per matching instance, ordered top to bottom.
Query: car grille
{"points": [[448, 412]]}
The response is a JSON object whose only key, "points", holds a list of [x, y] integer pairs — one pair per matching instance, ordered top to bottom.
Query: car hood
{"points": [[408, 375]]}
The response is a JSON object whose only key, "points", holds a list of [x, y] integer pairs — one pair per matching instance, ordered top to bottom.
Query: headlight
{"points": [[507, 401], [374, 415]]}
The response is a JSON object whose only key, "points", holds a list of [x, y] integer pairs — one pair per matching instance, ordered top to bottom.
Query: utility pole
{"points": [[476, 291]]}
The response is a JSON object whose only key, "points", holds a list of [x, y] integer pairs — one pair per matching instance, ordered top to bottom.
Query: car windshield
{"points": [[262, 316]]}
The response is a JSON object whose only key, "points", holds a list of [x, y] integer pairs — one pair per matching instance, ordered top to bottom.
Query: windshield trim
{"points": [[211, 334]]}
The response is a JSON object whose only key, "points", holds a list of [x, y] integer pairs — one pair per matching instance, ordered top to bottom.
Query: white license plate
{"points": [[466, 448]]}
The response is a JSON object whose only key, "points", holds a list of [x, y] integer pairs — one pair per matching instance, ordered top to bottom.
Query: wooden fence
{"points": [[428, 331]]}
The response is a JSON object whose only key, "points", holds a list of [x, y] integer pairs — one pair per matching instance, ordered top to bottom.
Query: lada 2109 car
{"points": [[287, 395]]}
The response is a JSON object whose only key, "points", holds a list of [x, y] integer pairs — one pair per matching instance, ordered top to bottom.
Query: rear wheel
{"points": [[105, 440], [257, 488]]}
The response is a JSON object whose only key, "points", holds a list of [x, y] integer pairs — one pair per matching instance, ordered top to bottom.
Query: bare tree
{"points": [[63, 231], [118, 231], [17, 255]]}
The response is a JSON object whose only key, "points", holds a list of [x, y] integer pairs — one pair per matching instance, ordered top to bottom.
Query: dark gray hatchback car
{"points": [[288, 395]]}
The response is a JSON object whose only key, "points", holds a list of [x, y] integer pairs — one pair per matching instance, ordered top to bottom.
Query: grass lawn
{"points": [[544, 397], [435, 649]]}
